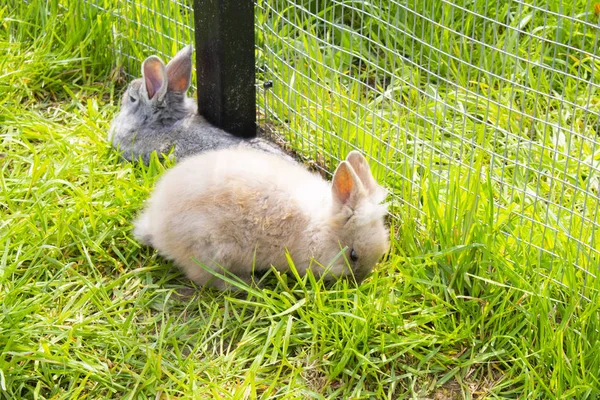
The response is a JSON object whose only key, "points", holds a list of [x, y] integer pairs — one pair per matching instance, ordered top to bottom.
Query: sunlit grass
{"points": [[464, 305]]}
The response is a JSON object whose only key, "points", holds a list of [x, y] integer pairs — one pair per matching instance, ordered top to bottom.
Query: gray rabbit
{"points": [[156, 115]]}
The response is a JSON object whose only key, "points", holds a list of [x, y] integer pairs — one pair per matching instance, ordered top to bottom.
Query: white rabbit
{"points": [[235, 208]]}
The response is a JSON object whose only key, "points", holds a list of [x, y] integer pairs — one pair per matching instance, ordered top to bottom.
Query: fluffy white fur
{"points": [[236, 208]]}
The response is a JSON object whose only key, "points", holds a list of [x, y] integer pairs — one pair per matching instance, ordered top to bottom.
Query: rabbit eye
{"points": [[132, 99], [353, 255]]}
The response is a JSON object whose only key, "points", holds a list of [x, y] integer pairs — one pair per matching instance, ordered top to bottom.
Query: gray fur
{"points": [[157, 116]]}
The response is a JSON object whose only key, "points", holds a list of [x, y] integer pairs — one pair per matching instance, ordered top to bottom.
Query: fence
{"points": [[497, 99]]}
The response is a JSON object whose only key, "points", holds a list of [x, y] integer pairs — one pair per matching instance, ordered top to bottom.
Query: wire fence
{"points": [[146, 27], [494, 99]]}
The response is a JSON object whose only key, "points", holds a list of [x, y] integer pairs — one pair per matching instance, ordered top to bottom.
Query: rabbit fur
{"points": [[156, 115], [238, 208]]}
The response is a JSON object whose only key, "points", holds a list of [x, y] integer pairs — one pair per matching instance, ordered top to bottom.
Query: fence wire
{"points": [[146, 27], [454, 95], [492, 100]]}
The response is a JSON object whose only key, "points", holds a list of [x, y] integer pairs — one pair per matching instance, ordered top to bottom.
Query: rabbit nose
{"points": [[360, 276]]}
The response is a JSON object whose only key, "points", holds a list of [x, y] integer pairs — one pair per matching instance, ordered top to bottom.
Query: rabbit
{"points": [[156, 115], [240, 209]]}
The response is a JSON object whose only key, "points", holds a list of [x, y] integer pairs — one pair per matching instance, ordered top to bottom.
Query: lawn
{"points": [[464, 306]]}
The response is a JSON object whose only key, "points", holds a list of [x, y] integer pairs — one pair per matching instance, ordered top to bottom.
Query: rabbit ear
{"points": [[179, 70], [155, 78], [362, 169], [346, 185]]}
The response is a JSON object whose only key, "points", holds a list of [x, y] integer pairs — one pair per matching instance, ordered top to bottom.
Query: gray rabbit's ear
{"points": [[179, 71], [154, 78], [361, 167], [346, 187]]}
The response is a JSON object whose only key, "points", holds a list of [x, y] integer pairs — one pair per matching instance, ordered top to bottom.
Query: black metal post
{"points": [[225, 64]]}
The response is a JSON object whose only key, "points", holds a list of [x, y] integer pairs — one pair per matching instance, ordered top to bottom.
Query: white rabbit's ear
{"points": [[179, 71], [154, 78], [362, 169], [346, 187]]}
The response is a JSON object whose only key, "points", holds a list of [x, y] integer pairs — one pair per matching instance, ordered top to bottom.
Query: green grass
{"points": [[464, 306]]}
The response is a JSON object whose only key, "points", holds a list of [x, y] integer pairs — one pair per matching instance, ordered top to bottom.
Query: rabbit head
{"points": [[157, 99], [357, 217]]}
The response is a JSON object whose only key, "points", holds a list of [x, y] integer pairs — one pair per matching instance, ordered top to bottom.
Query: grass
{"points": [[464, 305]]}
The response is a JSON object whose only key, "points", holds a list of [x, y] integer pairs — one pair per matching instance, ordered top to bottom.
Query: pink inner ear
{"points": [[179, 72], [153, 77], [179, 78], [362, 169], [343, 183]]}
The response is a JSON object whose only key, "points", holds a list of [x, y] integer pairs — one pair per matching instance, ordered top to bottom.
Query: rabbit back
{"points": [[196, 135], [234, 208]]}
